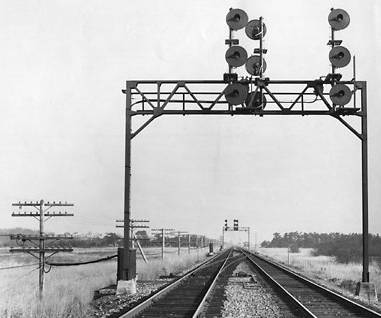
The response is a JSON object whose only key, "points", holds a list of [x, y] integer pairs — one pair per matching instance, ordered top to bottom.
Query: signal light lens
{"points": [[236, 19], [338, 19], [253, 29], [236, 56], [339, 56], [253, 65], [236, 93], [340, 94]]}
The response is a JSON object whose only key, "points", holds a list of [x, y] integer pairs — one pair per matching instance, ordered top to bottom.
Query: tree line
{"points": [[105, 240], [344, 247]]}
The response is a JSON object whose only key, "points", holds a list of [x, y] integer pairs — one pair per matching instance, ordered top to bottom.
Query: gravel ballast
{"points": [[248, 297], [107, 305]]}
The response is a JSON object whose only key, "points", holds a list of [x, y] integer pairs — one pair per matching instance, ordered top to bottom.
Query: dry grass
{"points": [[171, 264], [325, 268], [69, 290]]}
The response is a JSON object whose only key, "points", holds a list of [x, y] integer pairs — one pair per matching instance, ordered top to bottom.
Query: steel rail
{"points": [[211, 287], [325, 291], [285, 292], [146, 303]]}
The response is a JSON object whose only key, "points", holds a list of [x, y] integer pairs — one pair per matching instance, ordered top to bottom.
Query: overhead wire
{"points": [[18, 266]]}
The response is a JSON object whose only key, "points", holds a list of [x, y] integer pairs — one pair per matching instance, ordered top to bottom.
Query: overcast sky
{"points": [[63, 65]]}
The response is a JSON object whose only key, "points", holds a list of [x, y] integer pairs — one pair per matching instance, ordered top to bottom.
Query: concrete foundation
{"points": [[126, 287], [366, 291]]}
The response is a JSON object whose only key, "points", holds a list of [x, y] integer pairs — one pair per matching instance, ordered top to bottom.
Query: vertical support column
{"points": [[230, 45], [332, 46], [261, 57], [364, 164], [162, 243], [42, 251], [127, 272], [126, 275]]}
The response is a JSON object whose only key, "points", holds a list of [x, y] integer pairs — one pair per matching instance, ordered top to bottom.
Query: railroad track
{"points": [[200, 292], [187, 296], [313, 300]]}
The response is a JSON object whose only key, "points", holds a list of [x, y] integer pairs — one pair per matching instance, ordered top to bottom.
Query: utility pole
{"points": [[134, 224], [163, 232], [179, 241], [28, 243]]}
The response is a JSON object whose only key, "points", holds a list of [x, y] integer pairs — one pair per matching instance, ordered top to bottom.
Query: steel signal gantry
{"points": [[255, 95]]}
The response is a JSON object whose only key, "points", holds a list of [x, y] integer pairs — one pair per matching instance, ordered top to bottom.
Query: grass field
{"points": [[325, 268], [69, 290]]}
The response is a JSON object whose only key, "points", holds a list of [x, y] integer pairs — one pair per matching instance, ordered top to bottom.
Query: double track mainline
{"points": [[200, 292]]}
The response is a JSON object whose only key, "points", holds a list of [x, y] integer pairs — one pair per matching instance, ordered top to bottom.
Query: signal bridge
{"points": [[254, 95]]}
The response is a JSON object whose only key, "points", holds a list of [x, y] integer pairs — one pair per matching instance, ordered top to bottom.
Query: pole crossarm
{"points": [[37, 237], [37, 250]]}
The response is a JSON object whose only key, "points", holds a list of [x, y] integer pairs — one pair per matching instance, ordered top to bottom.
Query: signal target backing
{"points": [[236, 19], [338, 19], [253, 29], [236, 56], [339, 56], [253, 65], [236, 93], [340, 94]]}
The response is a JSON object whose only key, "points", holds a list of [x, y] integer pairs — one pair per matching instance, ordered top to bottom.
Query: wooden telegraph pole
{"points": [[134, 224], [163, 231], [38, 245]]}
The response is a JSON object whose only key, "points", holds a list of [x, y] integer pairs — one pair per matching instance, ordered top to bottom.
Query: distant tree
{"points": [[111, 239], [294, 248]]}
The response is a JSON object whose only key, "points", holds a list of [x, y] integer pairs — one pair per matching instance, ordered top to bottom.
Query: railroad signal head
{"points": [[236, 19], [338, 19], [253, 29], [236, 56], [339, 56], [253, 65], [236, 93], [340, 94], [226, 225], [235, 225]]}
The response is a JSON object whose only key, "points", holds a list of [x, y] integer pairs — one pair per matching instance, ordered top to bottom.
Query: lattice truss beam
{"points": [[207, 97]]}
